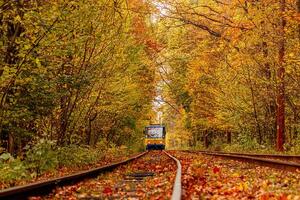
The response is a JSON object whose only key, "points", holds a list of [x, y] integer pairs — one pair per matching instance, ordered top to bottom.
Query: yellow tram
{"points": [[155, 135]]}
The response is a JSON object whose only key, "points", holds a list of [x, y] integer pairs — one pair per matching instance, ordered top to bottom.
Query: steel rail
{"points": [[294, 158], [283, 165], [44, 187], [176, 194]]}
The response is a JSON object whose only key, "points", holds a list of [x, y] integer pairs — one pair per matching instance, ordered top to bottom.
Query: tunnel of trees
{"points": [[224, 74]]}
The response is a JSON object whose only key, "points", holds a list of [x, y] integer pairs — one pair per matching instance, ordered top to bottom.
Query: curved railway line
{"points": [[284, 162], [45, 188], [176, 194]]}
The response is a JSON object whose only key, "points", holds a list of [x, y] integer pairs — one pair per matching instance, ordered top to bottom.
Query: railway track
{"points": [[290, 158], [284, 162], [206, 176], [126, 179], [44, 187], [176, 195]]}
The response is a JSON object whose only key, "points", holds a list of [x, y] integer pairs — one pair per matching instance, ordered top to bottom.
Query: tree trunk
{"points": [[298, 9], [11, 58], [255, 112], [280, 118], [270, 122], [63, 123], [228, 137], [206, 139], [90, 140], [11, 144]]}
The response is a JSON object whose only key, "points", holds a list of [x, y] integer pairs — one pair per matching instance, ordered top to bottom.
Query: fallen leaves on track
{"points": [[208, 177], [116, 185]]}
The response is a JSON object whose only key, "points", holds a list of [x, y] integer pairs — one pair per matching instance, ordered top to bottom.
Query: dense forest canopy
{"points": [[232, 70], [74, 72], [80, 72]]}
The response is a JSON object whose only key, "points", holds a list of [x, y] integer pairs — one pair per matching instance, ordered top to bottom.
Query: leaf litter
{"points": [[208, 177], [117, 184]]}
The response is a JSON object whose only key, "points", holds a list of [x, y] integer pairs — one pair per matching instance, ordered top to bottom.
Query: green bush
{"points": [[246, 143], [295, 146], [67, 155], [74, 155], [42, 157], [11, 169]]}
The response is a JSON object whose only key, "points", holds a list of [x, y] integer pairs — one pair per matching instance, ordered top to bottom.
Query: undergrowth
{"points": [[246, 144], [44, 157]]}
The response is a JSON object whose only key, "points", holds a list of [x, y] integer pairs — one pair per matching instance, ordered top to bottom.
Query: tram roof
{"points": [[155, 126]]}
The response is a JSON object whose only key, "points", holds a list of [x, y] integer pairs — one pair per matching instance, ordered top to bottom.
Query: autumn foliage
{"points": [[231, 69], [74, 72]]}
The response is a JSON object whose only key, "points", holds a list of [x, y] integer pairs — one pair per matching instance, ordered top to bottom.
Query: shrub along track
{"points": [[74, 166], [148, 177], [213, 177]]}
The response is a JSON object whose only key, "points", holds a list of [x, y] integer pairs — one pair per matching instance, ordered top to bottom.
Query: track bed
{"points": [[149, 177], [209, 177]]}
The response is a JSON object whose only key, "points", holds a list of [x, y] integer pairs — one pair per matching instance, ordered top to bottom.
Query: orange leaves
{"points": [[138, 6], [293, 16], [139, 27], [153, 45], [198, 171], [269, 196]]}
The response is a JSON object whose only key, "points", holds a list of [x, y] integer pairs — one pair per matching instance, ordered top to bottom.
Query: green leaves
{"points": [[6, 157], [42, 157]]}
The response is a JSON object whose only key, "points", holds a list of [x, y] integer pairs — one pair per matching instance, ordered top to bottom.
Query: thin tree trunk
{"points": [[298, 9], [255, 112], [280, 118], [270, 120], [63, 123], [228, 137], [206, 139], [90, 140], [11, 144]]}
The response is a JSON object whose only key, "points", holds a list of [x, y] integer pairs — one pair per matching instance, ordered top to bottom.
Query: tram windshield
{"points": [[155, 132]]}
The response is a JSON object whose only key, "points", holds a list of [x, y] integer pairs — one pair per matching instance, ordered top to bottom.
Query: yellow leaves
{"points": [[18, 18], [27, 47], [37, 62], [235, 175], [265, 184], [243, 186]]}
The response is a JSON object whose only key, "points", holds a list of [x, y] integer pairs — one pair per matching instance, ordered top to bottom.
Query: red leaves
{"points": [[216, 170], [107, 191]]}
